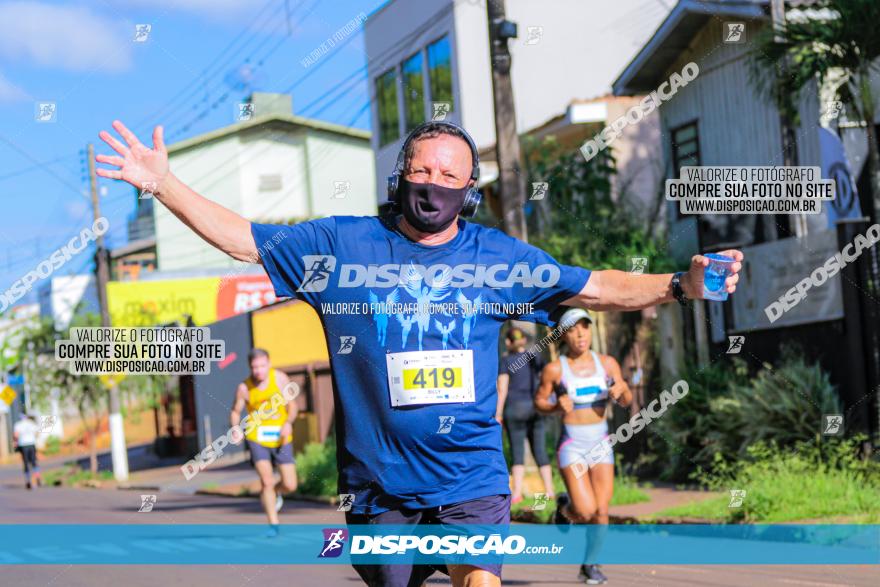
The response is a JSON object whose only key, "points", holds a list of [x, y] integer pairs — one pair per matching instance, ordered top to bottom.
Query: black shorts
{"points": [[283, 455], [493, 509]]}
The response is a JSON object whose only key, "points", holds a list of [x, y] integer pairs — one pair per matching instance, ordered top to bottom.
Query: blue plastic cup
{"points": [[715, 275]]}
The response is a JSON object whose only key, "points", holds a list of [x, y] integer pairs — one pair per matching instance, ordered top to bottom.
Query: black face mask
{"points": [[429, 207]]}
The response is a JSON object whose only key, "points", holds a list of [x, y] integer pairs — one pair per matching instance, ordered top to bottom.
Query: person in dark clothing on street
{"points": [[517, 383]]}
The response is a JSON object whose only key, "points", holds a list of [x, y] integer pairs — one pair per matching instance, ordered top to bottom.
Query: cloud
{"points": [[64, 37], [9, 92]]}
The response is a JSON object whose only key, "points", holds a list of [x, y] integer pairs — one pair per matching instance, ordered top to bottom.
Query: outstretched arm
{"points": [[147, 168], [613, 290]]}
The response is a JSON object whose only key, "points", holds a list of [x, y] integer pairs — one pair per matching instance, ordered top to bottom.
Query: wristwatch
{"points": [[677, 291]]}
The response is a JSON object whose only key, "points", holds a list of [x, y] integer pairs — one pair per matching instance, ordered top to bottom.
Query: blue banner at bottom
{"points": [[299, 544]]}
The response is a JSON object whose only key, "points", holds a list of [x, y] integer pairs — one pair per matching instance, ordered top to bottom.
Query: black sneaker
{"points": [[28, 484], [562, 500], [591, 575]]}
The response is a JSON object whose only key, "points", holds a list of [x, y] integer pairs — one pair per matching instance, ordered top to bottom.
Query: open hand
{"points": [[144, 168]]}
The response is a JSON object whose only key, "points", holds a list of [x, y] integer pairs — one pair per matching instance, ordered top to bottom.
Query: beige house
{"points": [[272, 166]]}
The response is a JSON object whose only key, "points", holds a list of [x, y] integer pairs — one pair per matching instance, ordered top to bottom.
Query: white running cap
{"points": [[573, 316]]}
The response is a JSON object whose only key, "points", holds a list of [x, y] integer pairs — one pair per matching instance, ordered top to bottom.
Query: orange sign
{"points": [[243, 293]]}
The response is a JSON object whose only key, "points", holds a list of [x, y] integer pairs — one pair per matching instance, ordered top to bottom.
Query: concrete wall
{"points": [[280, 153], [333, 158], [214, 171]]}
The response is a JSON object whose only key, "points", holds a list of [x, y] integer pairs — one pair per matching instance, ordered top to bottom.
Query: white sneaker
{"points": [[279, 503]]}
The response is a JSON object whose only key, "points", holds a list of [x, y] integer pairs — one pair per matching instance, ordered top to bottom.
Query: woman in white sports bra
{"points": [[583, 382]]}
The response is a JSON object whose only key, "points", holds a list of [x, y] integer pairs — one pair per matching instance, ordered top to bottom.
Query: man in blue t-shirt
{"points": [[412, 304]]}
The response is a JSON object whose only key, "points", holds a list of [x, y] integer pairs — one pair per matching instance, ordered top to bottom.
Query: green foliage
{"points": [[840, 49], [839, 53], [579, 223], [47, 377], [86, 393], [784, 405], [725, 412], [691, 432], [52, 447], [316, 469], [73, 475], [811, 480], [627, 491]]}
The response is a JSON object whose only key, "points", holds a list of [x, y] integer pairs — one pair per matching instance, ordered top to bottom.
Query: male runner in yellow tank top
{"points": [[270, 440]]}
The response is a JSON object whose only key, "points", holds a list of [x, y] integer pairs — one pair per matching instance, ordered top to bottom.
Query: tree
{"points": [[838, 45], [579, 222], [86, 393]]}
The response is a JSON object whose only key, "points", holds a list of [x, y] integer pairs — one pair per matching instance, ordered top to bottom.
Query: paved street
{"points": [[70, 506]]}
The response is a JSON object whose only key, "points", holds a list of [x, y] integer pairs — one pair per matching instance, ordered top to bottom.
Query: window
{"points": [[438, 58], [440, 71], [413, 92], [386, 98], [685, 147], [685, 152]]}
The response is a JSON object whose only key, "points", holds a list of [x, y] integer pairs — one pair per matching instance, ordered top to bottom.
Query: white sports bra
{"points": [[585, 392]]}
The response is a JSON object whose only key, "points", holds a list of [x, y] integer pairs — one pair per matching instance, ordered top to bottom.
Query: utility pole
{"points": [[789, 139], [511, 181], [118, 450]]}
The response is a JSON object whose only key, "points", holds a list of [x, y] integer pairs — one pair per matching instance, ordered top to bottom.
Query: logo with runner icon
{"points": [[317, 272], [735, 344], [346, 345], [446, 423], [832, 424], [737, 496], [346, 500], [541, 500], [147, 503], [334, 542]]}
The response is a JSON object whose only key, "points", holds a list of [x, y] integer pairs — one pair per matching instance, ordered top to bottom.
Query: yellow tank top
{"points": [[268, 432]]}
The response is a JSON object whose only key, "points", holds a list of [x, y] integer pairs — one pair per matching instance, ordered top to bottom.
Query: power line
{"points": [[408, 39], [259, 64], [204, 74], [183, 128], [34, 160], [37, 166]]}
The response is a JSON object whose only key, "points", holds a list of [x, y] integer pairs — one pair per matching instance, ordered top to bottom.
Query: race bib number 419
{"points": [[430, 377]]}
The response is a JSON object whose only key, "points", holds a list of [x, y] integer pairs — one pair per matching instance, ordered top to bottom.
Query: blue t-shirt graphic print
{"points": [[378, 292]]}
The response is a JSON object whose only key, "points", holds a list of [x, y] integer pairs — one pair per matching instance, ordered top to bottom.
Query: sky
{"points": [[200, 58]]}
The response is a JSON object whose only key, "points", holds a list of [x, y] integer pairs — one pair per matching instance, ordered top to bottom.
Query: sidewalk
{"points": [[147, 472], [233, 472], [233, 476], [661, 499]]}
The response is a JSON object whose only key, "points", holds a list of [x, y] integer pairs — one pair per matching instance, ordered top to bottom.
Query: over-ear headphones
{"points": [[472, 197]]}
